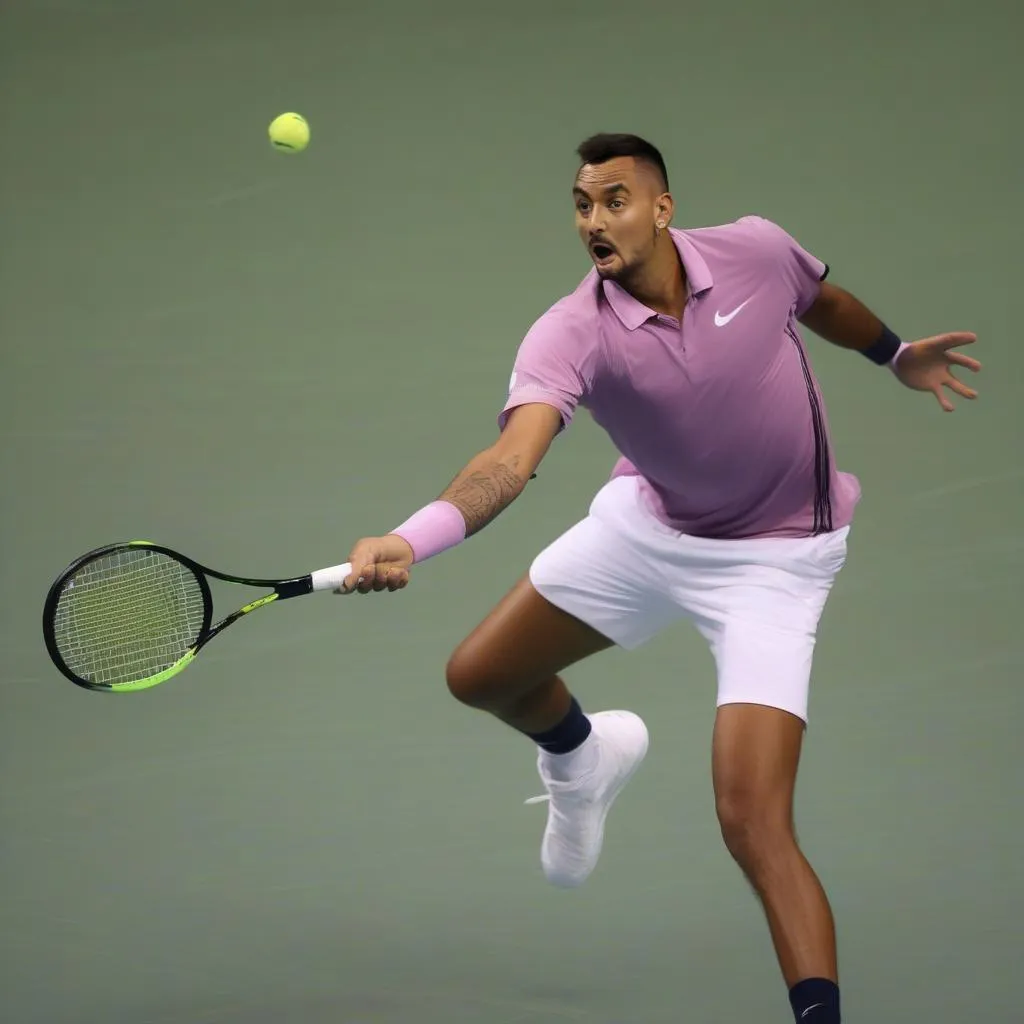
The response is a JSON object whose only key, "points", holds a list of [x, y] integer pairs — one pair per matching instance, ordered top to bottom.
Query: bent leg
{"points": [[594, 587], [585, 592], [509, 664]]}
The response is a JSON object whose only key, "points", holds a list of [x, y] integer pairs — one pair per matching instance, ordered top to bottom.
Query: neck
{"points": [[661, 283]]}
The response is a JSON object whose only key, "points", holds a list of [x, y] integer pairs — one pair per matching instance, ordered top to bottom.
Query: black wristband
{"points": [[882, 351]]}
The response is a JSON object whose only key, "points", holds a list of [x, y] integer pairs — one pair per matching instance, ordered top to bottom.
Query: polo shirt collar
{"points": [[632, 312]]}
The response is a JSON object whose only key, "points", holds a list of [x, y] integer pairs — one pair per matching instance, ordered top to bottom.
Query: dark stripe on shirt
{"points": [[822, 476]]}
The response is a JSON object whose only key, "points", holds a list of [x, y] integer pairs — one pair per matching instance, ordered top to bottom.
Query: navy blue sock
{"points": [[570, 732], [815, 1001]]}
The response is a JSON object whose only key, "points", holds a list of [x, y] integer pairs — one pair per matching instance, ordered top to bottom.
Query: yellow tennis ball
{"points": [[289, 133]]}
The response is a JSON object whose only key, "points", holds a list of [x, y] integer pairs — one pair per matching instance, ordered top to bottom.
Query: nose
{"points": [[595, 223]]}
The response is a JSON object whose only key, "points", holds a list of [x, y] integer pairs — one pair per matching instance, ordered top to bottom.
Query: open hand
{"points": [[926, 365]]}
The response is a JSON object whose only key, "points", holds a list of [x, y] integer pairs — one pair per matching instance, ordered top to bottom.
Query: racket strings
{"points": [[127, 616]]}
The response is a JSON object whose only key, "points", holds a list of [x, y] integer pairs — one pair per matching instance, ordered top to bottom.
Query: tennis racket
{"points": [[129, 616]]}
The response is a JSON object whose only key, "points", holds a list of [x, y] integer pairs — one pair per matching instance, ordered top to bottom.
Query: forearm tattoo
{"points": [[481, 494]]}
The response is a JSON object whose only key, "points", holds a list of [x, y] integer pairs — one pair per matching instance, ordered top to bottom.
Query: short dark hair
{"points": [[603, 147]]}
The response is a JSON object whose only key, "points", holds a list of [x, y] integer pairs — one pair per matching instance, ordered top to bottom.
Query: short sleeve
{"points": [[802, 272], [549, 367]]}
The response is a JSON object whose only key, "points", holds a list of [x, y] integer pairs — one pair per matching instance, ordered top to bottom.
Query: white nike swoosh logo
{"points": [[721, 321], [809, 1008]]}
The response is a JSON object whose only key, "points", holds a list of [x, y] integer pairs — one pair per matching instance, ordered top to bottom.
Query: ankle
{"points": [[567, 735], [815, 1001]]}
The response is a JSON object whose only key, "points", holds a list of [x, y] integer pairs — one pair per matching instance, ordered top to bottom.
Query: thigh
{"points": [[605, 571], [596, 586], [762, 623], [524, 640], [765, 665], [755, 755]]}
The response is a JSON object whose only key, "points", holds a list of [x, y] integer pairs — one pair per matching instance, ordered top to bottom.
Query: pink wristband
{"points": [[435, 528]]}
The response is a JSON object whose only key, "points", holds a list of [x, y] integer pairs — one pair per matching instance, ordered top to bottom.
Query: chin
{"points": [[616, 272]]}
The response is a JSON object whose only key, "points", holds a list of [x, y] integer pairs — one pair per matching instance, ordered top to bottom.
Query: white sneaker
{"points": [[581, 799]]}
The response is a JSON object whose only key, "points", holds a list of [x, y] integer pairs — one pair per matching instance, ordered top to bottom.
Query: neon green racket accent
{"points": [[183, 663], [160, 677]]}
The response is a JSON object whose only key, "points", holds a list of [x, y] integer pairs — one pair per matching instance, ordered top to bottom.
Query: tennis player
{"points": [[726, 509]]}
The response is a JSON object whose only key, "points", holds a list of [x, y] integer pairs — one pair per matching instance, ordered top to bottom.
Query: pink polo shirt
{"points": [[721, 416]]}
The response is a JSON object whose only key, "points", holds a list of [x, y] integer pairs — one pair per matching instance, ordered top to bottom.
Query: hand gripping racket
{"points": [[128, 616]]}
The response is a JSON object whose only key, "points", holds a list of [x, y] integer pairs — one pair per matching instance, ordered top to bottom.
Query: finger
{"points": [[952, 339], [965, 361], [960, 388], [946, 404], [397, 578], [367, 579], [348, 584], [345, 590]]}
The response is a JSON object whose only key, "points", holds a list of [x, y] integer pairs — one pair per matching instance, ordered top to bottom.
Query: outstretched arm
{"points": [[840, 318], [925, 365], [491, 481], [485, 487]]}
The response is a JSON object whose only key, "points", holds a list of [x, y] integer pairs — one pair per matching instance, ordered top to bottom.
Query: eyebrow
{"points": [[618, 186]]}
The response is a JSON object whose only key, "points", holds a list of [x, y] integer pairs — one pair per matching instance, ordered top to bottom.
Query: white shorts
{"points": [[757, 602]]}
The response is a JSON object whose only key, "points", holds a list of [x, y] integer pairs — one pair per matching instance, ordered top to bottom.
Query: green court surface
{"points": [[258, 358]]}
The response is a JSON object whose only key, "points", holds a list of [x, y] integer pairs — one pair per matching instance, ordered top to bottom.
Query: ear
{"points": [[663, 210]]}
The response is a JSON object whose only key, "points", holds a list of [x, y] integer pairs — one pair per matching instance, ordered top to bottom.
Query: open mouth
{"points": [[602, 252]]}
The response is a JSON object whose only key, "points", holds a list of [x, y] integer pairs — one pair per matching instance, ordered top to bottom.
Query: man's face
{"points": [[618, 204]]}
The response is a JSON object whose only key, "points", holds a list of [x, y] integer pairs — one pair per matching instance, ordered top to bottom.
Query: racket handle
{"points": [[330, 578]]}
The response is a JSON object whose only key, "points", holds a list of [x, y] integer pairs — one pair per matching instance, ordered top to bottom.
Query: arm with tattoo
{"points": [[492, 480], [487, 486]]}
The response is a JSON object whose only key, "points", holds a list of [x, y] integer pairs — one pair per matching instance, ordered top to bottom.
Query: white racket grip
{"points": [[330, 578]]}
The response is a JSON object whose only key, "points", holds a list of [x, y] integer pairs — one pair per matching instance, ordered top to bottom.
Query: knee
{"points": [[471, 678], [754, 825]]}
